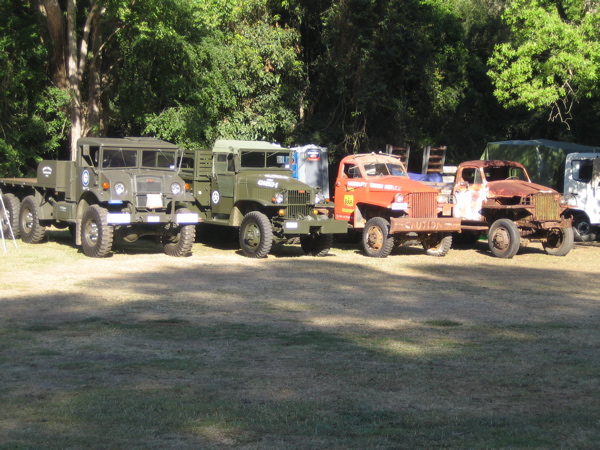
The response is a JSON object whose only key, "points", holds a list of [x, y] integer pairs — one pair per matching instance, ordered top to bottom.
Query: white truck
{"points": [[582, 180]]}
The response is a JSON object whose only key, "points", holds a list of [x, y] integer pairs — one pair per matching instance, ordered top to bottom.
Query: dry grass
{"points": [[146, 351]]}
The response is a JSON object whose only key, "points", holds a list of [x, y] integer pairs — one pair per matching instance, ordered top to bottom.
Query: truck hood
{"points": [[273, 180], [397, 184], [516, 188]]}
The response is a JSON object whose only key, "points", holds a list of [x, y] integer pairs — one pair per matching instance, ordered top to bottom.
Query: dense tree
{"points": [[553, 58]]}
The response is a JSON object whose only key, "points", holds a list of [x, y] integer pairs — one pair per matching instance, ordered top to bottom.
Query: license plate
{"points": [[154, 201]]}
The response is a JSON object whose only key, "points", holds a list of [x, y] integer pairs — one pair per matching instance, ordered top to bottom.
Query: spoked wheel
{"points": [[9, 215], [30, 228], [96, 233], [256, 236], [504, 238], [376, 240], [559, 241], [181, 244], [316, 244], [437, 244]]}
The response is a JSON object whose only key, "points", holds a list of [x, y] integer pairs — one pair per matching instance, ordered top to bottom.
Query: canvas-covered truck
{"points": [[249, 185], [125, 188], [374, 194], [498, 198]]}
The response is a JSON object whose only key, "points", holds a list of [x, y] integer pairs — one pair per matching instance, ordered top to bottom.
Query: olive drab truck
{"points": [[249, 184], [124, 188], [374, 194], [498, 198]]}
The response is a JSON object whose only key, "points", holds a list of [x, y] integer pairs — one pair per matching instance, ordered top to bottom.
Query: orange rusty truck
{"points": [[373, 193], [497, 197]]}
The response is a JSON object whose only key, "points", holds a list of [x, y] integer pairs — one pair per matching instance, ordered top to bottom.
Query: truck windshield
{"points": [[118, 158], [158, 159], [262, 160], [383, 169], [505, 173]]}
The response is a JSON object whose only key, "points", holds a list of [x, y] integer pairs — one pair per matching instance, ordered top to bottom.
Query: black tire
{"points": [[12, 205], [30, 228], [583, 229], [96, 233], [256, 236], [504, 238], [376, 239], [559, 242], [182, 243], [316, 244], [437, 244]]}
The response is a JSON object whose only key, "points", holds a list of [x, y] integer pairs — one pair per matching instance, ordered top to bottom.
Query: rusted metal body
{"points": [[375, 189], [489, 191]]}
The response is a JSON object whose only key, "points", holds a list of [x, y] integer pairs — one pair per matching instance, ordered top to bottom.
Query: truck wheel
{"points": [[11, 207], [29, 221], [584, 232], [96, 233], [256, 237], [504, 238], [376, 239], [559, 241], [182, 243], [316, 244], [437, 244]]}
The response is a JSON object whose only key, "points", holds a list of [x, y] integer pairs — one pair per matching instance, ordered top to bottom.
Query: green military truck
{"points": [[249, 184], [125, 188]]}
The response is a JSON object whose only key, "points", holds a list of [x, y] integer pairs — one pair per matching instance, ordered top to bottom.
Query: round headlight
{"points": [[119, 189], [175, 189], [278, 198], [319, 198], [399, 198]]}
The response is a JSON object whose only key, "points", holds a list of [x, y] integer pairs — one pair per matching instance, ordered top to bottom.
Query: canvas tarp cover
{"points": [[543, 159]]}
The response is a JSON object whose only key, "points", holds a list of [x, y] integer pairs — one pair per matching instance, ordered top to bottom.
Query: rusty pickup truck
{"points": [[497, 197]]}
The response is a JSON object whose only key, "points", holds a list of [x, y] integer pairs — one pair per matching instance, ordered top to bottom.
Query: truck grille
{"points": [[149, 185], [298, 204], [422, 204], [546, 207]]}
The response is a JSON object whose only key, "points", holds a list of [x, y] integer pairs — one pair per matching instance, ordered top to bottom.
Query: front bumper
{"points": [[151, 218], [415, 225], [307, 226]]}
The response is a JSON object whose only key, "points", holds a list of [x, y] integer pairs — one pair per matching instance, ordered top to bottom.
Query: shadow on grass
{"points": [[304, 354]]}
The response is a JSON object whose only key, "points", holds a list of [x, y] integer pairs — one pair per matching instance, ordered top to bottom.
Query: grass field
{"points": [[141, 350]]}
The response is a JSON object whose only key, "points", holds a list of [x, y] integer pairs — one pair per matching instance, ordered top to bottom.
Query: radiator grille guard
{"points": [[147, 185], [299, 204], [423, 205], [546, 207]]}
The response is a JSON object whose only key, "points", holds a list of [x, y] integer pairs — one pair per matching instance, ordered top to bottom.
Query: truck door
{"points": [[582, 180], [223, 183], [349, 189], [470, 192]]}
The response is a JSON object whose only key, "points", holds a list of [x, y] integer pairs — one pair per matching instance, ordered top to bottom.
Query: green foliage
{"points": [[553, 58], [32, 119]]}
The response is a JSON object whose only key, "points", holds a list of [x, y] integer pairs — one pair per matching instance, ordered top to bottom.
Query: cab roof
{"points": [[127, 142], [231, 144], [491, 163]]}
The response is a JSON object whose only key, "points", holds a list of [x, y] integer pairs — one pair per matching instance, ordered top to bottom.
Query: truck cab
{"points": [[582, 180], [249, 184]]}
